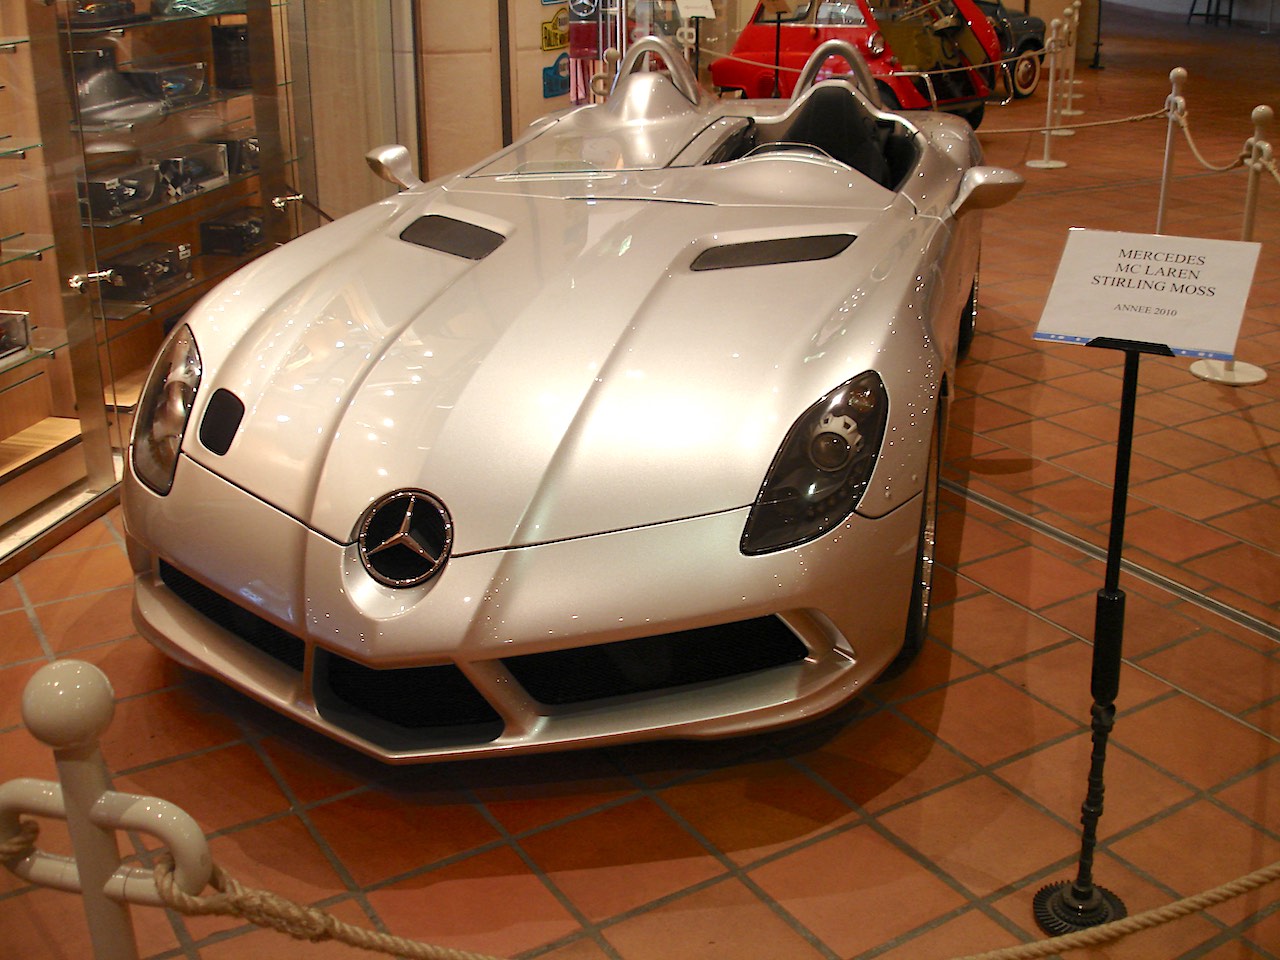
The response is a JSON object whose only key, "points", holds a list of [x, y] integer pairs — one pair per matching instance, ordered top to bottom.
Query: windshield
{"points": [[841, 13], [799, 14]]}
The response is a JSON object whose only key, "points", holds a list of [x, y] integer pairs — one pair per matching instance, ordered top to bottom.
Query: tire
{"points": [[1026, 73], [968, 321], [922, 583]]}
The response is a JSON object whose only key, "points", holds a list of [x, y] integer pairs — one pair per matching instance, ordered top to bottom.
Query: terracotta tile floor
{"points": [[918, 822]]}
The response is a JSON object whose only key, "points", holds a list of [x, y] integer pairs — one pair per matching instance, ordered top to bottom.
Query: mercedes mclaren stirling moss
{"points": [[629, 431]]}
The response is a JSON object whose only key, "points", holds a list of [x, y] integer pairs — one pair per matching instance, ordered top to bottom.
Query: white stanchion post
{"points": [[1052, 47], [1063, 87], [1176, 107], [1069, 110], [1260, 155], [1237, 373], [67, 705]]}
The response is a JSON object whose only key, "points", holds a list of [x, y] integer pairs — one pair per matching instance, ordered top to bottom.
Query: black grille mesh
{"points": [[252, 629], [656, 663], [410, 697]]}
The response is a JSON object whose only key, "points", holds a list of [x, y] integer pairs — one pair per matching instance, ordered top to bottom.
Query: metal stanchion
{"points": [[1074, 21], [1053, 48], [1063, 85], [1176, 107], [1233, 372], [67, 705]]}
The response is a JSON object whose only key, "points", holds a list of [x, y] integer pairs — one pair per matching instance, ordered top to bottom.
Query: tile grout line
{"points": [[1194, 597]]}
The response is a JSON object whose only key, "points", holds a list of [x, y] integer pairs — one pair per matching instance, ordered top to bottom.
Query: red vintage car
{"points": [[937, 55]]}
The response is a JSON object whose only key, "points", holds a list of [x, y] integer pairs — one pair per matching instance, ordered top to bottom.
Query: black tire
{"points": [[1026, 73], [968, 321], [922, 584]]}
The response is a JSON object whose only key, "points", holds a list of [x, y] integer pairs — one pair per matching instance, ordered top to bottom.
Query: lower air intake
{"points": [[252, 629], [646, 664], [411, 698]]}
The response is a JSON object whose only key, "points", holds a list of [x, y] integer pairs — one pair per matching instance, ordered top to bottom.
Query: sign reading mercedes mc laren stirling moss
{"points": [[1187, 293]]}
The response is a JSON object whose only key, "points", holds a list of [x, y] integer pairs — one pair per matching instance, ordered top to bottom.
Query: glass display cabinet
{"points": [[147, 150]]}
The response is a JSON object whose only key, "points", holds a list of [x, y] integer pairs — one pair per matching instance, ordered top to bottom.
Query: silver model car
{"points": [[629, 431]]}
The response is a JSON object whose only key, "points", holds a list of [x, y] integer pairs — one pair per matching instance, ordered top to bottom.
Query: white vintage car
{"points": [[629, 431]]}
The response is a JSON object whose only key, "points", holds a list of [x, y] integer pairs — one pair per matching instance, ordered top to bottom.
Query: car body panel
{"points": [[598, 414]]}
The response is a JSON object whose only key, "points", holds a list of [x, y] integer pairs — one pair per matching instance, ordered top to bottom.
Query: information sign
{"points": [[696, 8], [1187, 293]]}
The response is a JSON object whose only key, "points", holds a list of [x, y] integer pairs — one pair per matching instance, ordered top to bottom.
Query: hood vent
{"points": [[448, 235], [760, 253], [221, 421]]}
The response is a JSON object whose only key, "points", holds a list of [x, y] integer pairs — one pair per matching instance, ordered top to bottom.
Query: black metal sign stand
{"points": [[777, 54], [1068, 906]]}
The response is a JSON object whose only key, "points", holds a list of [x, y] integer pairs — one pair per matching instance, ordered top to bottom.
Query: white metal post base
{"points": [[1233, 373]]}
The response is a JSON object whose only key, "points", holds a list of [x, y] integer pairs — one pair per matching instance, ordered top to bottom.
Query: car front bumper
{"points": [[664, 631]]}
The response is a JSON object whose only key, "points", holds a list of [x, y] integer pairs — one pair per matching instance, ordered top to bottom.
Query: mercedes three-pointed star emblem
{"points": [[404, 538]]}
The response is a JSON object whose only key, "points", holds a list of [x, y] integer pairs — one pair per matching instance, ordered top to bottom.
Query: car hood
{"points": [[580, 378]]}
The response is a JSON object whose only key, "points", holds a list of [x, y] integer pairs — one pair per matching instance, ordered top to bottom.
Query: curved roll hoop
{"points": [[848, 52], [681, 73]]}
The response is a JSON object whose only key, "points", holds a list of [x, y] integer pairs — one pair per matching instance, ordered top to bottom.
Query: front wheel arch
{"points": [[919, 606]]}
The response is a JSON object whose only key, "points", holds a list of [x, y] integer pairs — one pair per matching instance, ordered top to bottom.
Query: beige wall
{"points": [[461, 96], [352, 97]]}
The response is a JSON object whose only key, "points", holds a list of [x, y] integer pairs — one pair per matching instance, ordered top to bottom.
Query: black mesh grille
{"points": [[252, 629], [656, 663], [413, 698]]}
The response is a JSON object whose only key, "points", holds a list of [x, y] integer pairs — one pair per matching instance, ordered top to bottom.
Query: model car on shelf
{"points": [[1021, 44], [935, 55], [629, 431]]}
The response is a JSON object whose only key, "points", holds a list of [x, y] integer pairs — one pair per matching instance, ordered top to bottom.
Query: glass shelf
{"points": [[145, 20], [216, 98], [13, 148], [141, 215], [24, 246], [206, 269], [45, 342]]}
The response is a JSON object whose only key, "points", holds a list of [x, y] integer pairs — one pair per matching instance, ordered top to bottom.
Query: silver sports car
{"points": [[629, 431]]}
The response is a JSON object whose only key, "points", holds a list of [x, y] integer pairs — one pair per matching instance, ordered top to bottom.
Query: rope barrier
{"points": [[897, 73], [1181, 117], [1137, 118], [1271, 166], [21, 843], [267, 909], [270, 910], [312, 924], [1109, 932]]}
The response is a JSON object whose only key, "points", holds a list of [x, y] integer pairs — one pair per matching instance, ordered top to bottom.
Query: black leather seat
{"points": [[832, 119]]}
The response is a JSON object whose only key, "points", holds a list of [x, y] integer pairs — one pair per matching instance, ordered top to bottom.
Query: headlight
{"points": [[875, 44], [163, 410], [822, 468]]}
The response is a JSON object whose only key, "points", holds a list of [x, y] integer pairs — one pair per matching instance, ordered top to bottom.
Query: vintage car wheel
{"points": [[1026, 73], [922, 584]]}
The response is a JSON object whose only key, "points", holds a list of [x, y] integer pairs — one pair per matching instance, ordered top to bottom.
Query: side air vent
{"points": [[448, 235], [760, 253], [221, 421]]}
